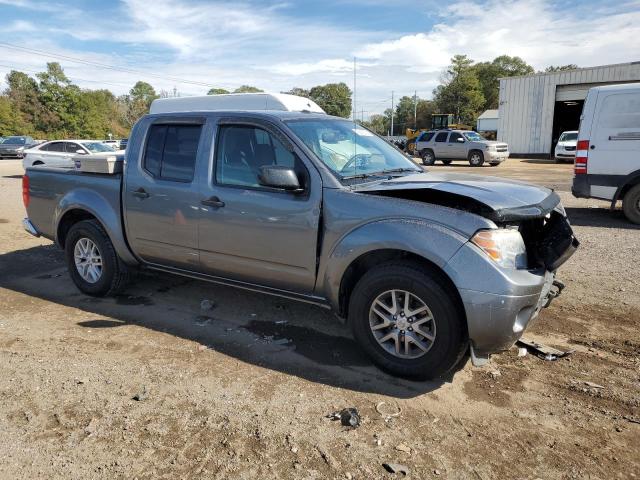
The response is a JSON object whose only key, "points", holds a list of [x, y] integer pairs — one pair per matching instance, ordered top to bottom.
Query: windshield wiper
{"points": [[398, 170]]}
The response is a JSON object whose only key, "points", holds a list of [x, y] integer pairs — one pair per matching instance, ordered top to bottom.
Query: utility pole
{"points": [[415, 109], [392, 113], [363, 115]]}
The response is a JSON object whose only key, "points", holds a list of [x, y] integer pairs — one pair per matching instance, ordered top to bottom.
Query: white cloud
{"points": [[232, 43]]}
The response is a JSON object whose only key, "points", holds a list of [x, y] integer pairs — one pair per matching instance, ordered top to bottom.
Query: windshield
{"points": [[473, 136], [568, 137], [15, 141], [97, 147], [349, 149]]}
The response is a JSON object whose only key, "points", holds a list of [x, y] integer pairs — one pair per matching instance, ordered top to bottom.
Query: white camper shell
{"points": [[236, 101], [608, 151]]}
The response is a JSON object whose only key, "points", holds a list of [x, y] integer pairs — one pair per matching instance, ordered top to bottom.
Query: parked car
{"points": [[115, 144], [450, 145], [14, 147], [566, 147], [60, 153], [607, 164], [424, 266]]}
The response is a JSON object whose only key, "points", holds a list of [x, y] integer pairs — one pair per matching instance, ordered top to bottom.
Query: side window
{"points": [[455, 136], [442, 137], [56, 147], [71, 147], [242, 150], [171, 151]]}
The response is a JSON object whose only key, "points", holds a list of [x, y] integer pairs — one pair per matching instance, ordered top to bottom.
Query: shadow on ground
{"points": [[599, 217], [290, 337]]}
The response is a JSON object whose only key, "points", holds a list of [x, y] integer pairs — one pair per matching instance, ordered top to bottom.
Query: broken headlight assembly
{"points": [[503, 245]]}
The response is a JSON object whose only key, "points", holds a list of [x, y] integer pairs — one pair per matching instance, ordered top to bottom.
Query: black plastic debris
{"points": [[542, 351], [349, 417], [396, 468]]}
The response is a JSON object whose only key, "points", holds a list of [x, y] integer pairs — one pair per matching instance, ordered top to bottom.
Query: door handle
{"points": [[140, 193], [214, 202]]}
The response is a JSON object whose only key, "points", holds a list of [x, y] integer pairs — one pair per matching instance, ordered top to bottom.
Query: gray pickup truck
{"points": [[424, 266]]}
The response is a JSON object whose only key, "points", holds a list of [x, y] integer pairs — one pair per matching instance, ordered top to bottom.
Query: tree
{"points": [[560, 68], [489, 73], [247, 89], [217, 91], [460, 91], [301, 92], [333, 98], [137, 103], [425, 109]]}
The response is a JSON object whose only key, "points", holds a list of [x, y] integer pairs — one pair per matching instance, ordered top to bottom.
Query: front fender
{"points": [[106, 211], [432, 241]]}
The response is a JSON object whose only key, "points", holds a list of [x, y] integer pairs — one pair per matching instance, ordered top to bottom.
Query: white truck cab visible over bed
{"points": [[607, 164]]}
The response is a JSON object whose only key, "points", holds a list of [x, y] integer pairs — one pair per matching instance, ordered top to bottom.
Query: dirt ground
{"points": [[150, 385]]}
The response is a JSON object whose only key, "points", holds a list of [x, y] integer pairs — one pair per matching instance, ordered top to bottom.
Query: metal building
{"points": [[535, 109], [488, 121]]}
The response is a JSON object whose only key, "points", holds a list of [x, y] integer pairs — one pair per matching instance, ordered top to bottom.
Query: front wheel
{"points": [[476, 158], [631, 204], [92, 261], [407, 322]]}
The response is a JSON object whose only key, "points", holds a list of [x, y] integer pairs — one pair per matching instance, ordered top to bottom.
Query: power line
{"points": [[103, 65], [19, 69]]}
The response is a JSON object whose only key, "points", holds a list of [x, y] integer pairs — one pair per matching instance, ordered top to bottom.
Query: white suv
{"points": [[450, 145], [566, 147]]}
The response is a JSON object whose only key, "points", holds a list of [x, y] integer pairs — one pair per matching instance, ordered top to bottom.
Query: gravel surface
{"points": [[158, 383]]}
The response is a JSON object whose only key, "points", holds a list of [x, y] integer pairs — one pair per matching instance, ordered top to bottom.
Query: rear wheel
{"points": [[428, 158], [476, 158], [631, 204], [92, 261], [407, 321]]}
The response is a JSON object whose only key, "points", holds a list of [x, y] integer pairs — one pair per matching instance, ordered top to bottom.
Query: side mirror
{"points": [[460, 140], [81, 152], [277, 176]]}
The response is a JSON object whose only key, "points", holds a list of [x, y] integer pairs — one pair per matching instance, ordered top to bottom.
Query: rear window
{"points": [[171, 151]]}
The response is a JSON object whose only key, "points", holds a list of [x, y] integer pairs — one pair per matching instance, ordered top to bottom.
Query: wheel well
{"points": [[632, 183], [68, 220], [367, 261]]}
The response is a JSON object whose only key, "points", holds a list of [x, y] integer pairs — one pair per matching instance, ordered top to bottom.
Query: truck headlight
{"points": [[503, 246]]}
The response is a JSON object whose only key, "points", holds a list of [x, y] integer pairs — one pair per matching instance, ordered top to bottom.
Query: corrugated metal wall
{"points": [[527, 103]]}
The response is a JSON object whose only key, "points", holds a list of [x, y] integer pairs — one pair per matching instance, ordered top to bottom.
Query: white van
{"points": [[608, 151]]}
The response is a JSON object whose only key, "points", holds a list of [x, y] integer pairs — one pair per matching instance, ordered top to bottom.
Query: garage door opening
{"points": [[566, 116]]}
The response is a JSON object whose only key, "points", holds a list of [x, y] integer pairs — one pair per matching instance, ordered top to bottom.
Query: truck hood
{"points": [[491, 142], [494, 198]]}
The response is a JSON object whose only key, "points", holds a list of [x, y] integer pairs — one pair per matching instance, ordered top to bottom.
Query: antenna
{"points": [[392, 113]]}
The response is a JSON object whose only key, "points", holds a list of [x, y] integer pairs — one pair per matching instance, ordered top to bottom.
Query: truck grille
{"points": [[502, 148], [570, 148], [549, 241]]}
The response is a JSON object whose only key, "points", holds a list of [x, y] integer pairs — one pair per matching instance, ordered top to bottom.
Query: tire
{"points": [[428, 158], [476, 158], [446, 162], [631, 204], [113, 275], [450, 340]]}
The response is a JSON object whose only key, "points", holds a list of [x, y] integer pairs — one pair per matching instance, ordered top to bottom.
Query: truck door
{"points": [[440, 145], [456, 146], [614, 146], [161, 199], [253, 233]]}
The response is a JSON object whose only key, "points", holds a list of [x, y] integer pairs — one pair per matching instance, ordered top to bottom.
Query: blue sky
{"points": [[400, 45]]}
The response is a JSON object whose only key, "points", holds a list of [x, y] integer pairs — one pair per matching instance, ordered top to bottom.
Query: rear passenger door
{"points": [[440, 145], [54, 155], [161, 197], [253, 233]]}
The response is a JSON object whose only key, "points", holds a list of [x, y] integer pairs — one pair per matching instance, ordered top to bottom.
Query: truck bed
{"points": [[54, 189]]}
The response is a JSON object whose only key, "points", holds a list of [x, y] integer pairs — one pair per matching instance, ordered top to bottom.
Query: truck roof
{"points": [[236, 101]]}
